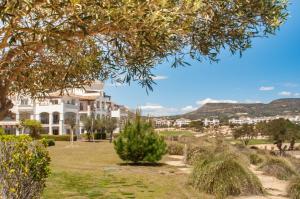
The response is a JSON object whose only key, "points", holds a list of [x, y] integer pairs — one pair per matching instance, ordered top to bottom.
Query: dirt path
{"points": [[178, 161], [276, 189]]}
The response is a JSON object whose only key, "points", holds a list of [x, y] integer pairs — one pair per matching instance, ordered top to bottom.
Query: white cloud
{"points": [[160, 77], [290, 84], [266, 88], [285, 93], [297, 94], [209, 100], [252, 101], [150, 106], [188, 108], [158, 110]]}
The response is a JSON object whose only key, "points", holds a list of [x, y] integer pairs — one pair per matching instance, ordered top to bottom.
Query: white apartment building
{"points": [[53, 110], [255, 120], [162, 122], [182, 122], [211, 122]]}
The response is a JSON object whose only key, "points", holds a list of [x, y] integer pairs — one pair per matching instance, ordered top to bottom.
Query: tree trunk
{"points": [[5, 103], [72, 136], [111, 137], [292, 144], [279, 146]]}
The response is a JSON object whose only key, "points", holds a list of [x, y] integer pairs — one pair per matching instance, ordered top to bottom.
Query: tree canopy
{"points": [[49, 45]]}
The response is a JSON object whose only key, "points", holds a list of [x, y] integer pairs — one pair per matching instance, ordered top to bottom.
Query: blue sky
{"points": [[268, 71]]}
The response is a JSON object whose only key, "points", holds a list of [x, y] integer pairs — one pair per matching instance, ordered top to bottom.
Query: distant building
{"points": [[53, 110], [255, 120], [182, 122], [211, 122], [160, 123]]}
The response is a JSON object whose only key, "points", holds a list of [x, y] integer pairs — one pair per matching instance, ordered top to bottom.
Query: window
{"points": [[24, 101], [54, 101], [73, 101], [98, 104], [81, 106]]}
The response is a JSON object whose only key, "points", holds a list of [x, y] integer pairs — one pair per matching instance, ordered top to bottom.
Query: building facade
{"points": [[54, 110]]}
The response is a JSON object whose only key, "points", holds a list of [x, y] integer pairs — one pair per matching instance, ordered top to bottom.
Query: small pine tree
{"points": [[139, 143]]}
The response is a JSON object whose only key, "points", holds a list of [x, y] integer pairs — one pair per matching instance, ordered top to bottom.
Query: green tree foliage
{"points": [[49, 45], [71, 121], [89, 125], [197, 125], [34, 126], [110, 126], [262, 128], [281, 130], [1, 131], [245, 133], [139, 143], [24, 167]]}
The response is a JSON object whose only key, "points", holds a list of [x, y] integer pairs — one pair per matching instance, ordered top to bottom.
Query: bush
{"points": [[1, 131], [100, 136], [59, 137], [49, 142], [139, 143], [175, 148], [255, 159], [24, 167], [278, 167], [223, 175], [294, 188]]}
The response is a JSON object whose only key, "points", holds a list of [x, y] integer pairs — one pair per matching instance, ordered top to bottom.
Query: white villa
{"points": [[53, 110], [255, 120], [182, 122], [211, 122], [163, 123]]}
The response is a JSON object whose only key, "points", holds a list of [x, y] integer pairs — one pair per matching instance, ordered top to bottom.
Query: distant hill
{"points": [[276, 107]]}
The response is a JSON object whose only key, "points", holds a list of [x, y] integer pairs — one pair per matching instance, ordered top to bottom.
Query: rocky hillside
{"points": [[276, 107]]}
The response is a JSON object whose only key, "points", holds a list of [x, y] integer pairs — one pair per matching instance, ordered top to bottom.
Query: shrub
{"points": [[1, 131], [100, 136], [59, 137], [49, 142], [139, 143], [175, 148], [255, 159], [24, 167], [278, 167], [223, 175], [294, 188]]}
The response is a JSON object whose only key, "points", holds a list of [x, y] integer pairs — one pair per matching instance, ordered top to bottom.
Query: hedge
{"points": [[59, 137]]}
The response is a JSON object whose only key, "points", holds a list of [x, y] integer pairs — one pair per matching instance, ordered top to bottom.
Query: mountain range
{"points": [[287, 106]]}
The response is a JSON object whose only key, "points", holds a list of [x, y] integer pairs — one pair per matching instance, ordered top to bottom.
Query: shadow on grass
{"points": [[143, 164]]}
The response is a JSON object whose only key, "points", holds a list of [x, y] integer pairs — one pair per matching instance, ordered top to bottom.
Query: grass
{"points": [[176, 133], [278, 167], [93, 170], [233, 177], [294, 188]]}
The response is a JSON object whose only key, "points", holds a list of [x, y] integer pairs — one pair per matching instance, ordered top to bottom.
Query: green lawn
{"points": [[176, 133], [93, 170]]}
